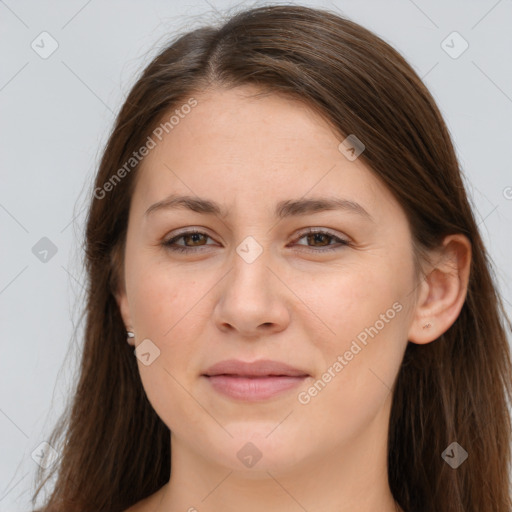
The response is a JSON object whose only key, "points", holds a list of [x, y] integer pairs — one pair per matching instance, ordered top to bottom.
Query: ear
{"points": [[119, 286], [442, 291], [124, 308]]}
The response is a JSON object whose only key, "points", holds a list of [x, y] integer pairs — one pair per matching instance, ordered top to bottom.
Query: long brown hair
{"points": [[115, 450]]}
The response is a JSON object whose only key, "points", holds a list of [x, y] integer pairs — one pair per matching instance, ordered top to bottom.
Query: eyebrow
{"points": [[286, 208]]}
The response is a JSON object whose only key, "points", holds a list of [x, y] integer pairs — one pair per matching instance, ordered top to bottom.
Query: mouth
{"points": [[259, 380]]}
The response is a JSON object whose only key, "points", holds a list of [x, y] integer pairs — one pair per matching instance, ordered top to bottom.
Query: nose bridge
{"points": [[253, 256], [250, 295]]}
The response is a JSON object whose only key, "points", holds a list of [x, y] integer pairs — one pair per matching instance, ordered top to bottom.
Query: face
{"points": [[335, 305]]}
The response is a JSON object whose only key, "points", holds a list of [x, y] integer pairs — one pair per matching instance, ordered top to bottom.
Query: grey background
{"points": [[56, 114]]}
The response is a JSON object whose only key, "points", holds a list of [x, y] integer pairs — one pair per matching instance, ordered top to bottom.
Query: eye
{"points": [[317, 235], [196, 238]]}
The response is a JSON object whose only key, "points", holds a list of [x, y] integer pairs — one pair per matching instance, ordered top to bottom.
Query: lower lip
{"points": [[252, 389]]}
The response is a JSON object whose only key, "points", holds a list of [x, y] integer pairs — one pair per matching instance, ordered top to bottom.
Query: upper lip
{"points": [[261, 368]]}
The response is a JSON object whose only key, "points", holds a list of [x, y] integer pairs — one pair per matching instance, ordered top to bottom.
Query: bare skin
{"points": [[320, 451]]}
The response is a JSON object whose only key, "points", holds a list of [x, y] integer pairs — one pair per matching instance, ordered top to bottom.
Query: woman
{"points": [[290, 306]]}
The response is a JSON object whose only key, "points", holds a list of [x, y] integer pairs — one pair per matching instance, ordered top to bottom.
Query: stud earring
{"points": [[427, 325], [130, 336]]}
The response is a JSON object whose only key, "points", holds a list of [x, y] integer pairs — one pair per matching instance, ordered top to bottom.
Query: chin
{"points": [[253, 451]]}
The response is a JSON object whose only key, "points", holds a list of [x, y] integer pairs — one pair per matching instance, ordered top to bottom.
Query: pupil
{"points": [[317, 236], [194, 237]]}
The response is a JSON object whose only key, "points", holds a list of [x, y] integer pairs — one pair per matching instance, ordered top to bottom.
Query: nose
{"points": [[253, 301]]}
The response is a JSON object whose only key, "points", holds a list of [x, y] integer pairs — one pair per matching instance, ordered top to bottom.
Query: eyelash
{"points": [[168, 244]]}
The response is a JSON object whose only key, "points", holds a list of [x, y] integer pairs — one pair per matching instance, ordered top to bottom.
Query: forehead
{"points": [[235, 145]]}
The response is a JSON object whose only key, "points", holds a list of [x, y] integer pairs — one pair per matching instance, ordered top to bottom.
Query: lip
{"points": [[252, 381]]}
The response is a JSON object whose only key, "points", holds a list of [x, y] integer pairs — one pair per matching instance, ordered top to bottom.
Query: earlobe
{"points": [[442, 291]]}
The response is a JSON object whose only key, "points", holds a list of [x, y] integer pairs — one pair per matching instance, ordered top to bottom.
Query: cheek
{"points": [[160, 296], [349, 301], [164, 312], [366, 315], [355, 381]]}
